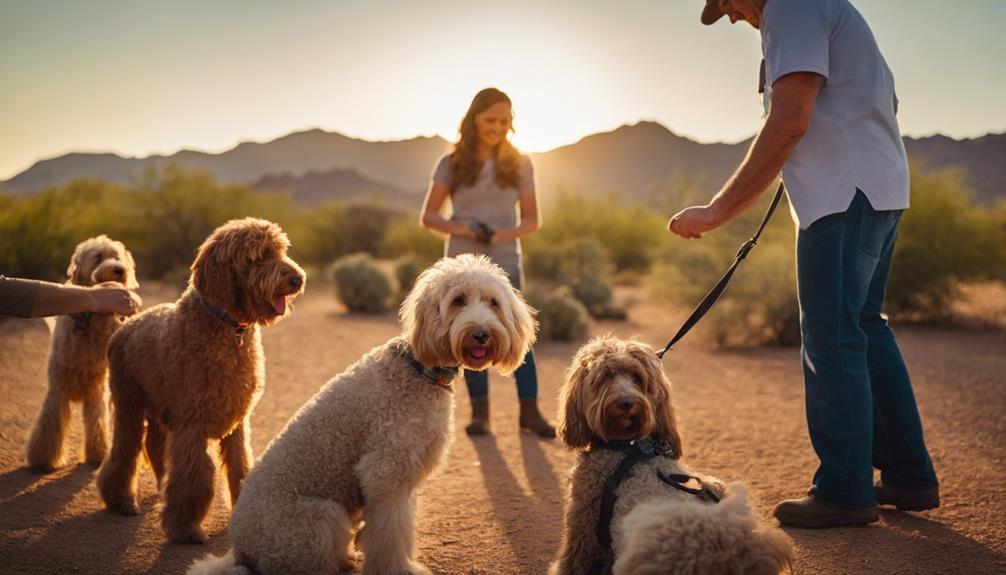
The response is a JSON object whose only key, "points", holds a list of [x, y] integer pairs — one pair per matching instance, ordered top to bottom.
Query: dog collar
{"points": [[218, 312], [438, 375]]}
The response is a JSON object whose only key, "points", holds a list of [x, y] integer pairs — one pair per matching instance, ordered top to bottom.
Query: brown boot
{"points": [[480, 417], [532, 420], [907, 499], [813, 514]]}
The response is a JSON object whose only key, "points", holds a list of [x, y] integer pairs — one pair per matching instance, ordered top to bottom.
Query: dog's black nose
{"points": [[295, 281], [481, 335], [624, 404]]}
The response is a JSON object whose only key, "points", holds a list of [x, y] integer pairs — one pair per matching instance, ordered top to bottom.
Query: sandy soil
{"points": [[496, 507]]}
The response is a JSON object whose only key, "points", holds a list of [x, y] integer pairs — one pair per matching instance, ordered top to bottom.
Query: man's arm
{"points": [[793, 98]]}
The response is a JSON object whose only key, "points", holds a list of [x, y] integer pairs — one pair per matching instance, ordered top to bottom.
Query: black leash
{"points": [[714, 294]]}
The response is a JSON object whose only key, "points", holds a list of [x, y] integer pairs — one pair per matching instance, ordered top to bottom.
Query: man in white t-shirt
{"points": [[830, 128]]}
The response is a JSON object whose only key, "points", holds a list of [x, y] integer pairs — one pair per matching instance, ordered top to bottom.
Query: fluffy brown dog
{"points": [[78, 364], [194, 370], [665, 519]]}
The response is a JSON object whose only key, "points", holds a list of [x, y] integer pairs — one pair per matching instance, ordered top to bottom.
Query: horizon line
{"points": [[318, 128]]}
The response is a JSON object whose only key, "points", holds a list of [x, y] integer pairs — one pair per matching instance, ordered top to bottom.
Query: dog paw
{"points": [[42, 468], [125, 506], [187, 535]]}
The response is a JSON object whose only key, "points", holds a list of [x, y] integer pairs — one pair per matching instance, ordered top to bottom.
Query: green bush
{"points": [[630, 233], [38, 234], [404, 236], [943, 241], [407, 270], [360, 284], [760, 305], [561, 317]]}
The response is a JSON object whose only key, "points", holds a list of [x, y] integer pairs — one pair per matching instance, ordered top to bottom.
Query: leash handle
{"points": [[714, 294]]}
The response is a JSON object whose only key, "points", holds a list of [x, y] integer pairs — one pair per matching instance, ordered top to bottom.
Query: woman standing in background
{"points": [[494, 203]]}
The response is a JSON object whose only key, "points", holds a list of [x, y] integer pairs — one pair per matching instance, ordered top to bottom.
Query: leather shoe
{"points": [[907, 499], [810, 513]]}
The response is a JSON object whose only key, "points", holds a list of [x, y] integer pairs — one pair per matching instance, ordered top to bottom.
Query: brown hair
{"points": [[464, 163]]}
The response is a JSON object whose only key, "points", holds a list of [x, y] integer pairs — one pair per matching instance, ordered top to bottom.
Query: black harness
{"points": [[639, 451]]}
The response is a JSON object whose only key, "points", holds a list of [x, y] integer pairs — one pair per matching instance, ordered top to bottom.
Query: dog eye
{"points": [[459, 301], [494, 303]]}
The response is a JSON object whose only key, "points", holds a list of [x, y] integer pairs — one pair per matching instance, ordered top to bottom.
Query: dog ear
{"points": [[127, 256], [211, 272], [77, 273], [421, 321], [523, 330], [659, 389], [573, 427]]}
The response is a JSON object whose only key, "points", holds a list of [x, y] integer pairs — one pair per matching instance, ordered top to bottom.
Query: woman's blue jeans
{"points": [[526, 375], [861, 410]]}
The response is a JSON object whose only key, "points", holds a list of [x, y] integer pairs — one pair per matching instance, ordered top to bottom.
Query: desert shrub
{"points": [[174, 210], [38, 233], [630, 233], [314, 237], [405, 237], [943, 240], [407, 269], [360, 284], [760, 305], [561, 317]]}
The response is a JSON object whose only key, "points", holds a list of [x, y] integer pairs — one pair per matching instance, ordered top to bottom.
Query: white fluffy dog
{"points": [[364, 443], [662, 517]]}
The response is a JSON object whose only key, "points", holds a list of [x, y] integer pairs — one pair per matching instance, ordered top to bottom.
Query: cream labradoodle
{"points": [[78, 363], [193, 371], [364, 443], [665, 519]]}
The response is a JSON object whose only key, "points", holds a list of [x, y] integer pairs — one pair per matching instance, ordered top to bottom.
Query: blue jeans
{"points": [[526, 375], [861, 410]]}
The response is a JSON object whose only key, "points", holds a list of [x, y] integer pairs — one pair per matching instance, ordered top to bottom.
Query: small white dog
{"points": [[364, 443], [633, 507]]}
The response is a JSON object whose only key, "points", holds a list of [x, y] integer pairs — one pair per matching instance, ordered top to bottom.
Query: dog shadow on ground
{"points": [[39, 497], [512, 506], [41, 507], [934, 547]]}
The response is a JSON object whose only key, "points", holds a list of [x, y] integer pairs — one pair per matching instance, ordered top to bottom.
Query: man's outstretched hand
{"points": [[692, 222]]}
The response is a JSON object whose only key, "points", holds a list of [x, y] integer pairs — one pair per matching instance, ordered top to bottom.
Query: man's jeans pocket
{"points": [[874, 227]]}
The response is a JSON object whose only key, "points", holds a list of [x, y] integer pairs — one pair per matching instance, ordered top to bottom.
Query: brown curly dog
{"points": [[78, 363], [194, 370], [665, 518]]}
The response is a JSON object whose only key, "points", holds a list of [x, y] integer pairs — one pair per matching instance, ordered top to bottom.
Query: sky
{"points": [[144, 77]]}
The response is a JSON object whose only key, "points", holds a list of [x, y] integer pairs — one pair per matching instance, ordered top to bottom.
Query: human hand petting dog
{"points": [[111, 297]]}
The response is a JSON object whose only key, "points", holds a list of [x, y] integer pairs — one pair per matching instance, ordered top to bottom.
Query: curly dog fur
{"points": [[78, 363], [184, 369], [617, 390], [364, 443]]}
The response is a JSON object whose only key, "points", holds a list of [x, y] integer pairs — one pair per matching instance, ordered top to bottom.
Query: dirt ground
{"points": [[496, 508]]}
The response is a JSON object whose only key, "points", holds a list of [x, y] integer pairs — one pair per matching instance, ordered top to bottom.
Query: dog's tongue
{"points": [[279, 304], [477, 352]]}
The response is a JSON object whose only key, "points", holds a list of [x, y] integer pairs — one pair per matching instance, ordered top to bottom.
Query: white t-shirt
{"points": [[853, 140]]}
